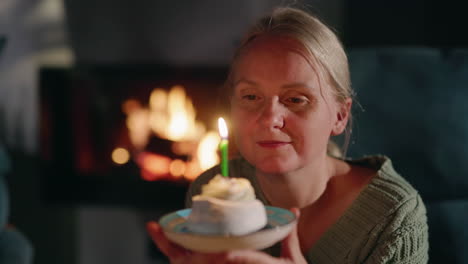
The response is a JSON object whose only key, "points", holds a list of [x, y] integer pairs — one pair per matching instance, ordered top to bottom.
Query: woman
{"points": [[290, 93]]}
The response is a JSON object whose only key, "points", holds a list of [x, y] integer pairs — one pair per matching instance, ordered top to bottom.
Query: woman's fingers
{"points": [[296, 212], [290, 246], [168, 248], [290, 251], [177, 254], [250, 257]]}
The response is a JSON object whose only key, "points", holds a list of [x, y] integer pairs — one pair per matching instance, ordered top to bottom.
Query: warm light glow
{"points": [[158, 100], [130, 105], [158, 112], [171, 115], [181, 115], [158, 123], [178, 126], [138, 127], [199, 130], [223, 131], [184, 147], [207, 151], [120, 156], [153, 166], [177, 168], [192, 170]]}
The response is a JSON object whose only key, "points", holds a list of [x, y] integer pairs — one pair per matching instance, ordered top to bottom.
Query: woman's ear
{"points": [[342, 117]]}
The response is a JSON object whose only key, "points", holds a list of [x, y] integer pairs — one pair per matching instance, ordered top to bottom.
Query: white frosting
{"points": [[232, 189], [226, 206]]}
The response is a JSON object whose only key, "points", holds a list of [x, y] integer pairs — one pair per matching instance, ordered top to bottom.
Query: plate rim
{"points": [[165, 229]]}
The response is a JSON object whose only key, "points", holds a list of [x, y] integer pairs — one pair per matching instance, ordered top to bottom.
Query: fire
{"points": [[158, 112], [181, 114], [172, 116], [138, 127], [207, 150], [153, 166], [177, 168]]}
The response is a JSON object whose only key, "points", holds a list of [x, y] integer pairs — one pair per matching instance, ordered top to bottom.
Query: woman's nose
{"points": [[272, 115]]}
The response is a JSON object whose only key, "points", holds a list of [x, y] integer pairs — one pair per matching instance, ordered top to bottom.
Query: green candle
{"points": [[223, 146]]}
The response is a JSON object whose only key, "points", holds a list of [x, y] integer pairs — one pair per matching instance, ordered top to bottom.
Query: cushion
{"points": [[2, 43], [414, 111], [4, 200], [448, 233], [15, 248]]}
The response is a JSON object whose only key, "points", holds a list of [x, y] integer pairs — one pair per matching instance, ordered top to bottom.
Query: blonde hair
{"points": [[319, 41]]}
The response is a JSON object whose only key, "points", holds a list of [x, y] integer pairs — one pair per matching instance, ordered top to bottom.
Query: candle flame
{"points": [[223, 131]]}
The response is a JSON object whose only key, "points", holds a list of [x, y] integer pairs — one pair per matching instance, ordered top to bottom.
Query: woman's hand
{"points": [[290, 251], [177, 254]]}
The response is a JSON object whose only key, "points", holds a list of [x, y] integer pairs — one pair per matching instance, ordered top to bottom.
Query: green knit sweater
{"points": [[385, 224]]}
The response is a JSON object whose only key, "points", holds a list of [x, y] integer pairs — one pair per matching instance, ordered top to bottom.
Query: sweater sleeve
{"points": [[408, 243]]}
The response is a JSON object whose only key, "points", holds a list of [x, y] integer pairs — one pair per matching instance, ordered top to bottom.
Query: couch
{"points": [[414, 109], [15, 248]]}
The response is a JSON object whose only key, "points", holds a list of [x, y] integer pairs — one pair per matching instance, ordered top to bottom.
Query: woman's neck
{"points": [[299, 188]]}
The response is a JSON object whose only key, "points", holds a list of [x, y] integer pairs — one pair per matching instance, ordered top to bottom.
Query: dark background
{"points": [[178, 34]]}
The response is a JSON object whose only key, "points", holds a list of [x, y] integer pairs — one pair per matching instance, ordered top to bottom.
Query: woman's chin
{"points": [[275, 166]]}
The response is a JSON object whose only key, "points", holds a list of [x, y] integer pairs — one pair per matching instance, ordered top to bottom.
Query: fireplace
{"points": [[127, 135]]}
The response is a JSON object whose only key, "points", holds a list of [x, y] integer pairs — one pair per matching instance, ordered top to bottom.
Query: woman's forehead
{"points": [[273, 43], [276, 45], [272, 56]]}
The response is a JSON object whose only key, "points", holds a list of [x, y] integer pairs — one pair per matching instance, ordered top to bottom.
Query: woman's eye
{"points": [[250, 97], [296, 100]]}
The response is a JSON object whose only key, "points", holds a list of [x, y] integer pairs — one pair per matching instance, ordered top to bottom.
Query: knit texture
{"points": [[385, 224]]}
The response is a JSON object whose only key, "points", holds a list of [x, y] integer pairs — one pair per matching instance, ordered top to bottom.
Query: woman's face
{"points": [[283, 113]]}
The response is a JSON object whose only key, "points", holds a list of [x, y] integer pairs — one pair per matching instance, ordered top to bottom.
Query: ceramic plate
{"points": [[280, 223]]}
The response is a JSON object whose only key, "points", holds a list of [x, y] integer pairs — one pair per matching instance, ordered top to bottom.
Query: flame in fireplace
{"points": [[181, 114], [171, 116], [138, 127], [207, 150], [153, 166], [177, 168]]}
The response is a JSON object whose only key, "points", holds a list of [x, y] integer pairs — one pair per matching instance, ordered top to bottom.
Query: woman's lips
{"points": [[272, 143]]}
